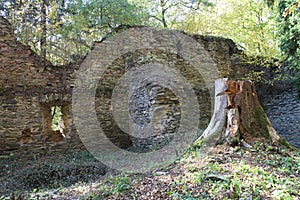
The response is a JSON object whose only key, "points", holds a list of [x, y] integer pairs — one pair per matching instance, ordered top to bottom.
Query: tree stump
{"points": [[238, 116]]}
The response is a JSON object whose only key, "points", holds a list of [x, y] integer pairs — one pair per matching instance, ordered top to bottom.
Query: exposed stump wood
{"points": [[238, 116]]}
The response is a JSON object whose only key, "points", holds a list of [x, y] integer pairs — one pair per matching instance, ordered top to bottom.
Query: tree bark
{"points": [[163, 13], [43, 39], [238, 116]]}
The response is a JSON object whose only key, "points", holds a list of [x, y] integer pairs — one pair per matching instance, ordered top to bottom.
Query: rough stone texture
{"points": [[29, 90], [159, 106], [163, 107], [284, 113]]}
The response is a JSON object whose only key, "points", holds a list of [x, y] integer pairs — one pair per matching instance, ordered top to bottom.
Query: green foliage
{"points": [[170, 13], [26, 18], [91, 20], [251, 24], [71, 26], [289, 37], [56, 117], [264, 171], [199, 177], [121, 184], [118, 185], [182, 196]]}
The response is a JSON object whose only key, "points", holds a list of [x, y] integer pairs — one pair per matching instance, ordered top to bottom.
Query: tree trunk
{"points": [[163, 13], [43, 39], [238, 116]]}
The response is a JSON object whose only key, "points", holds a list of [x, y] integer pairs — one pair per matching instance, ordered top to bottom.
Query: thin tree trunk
{"points": [[163, 13], [43, 40]]}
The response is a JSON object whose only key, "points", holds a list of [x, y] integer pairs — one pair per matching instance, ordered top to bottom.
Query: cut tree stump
{"points": [[238, 116]]}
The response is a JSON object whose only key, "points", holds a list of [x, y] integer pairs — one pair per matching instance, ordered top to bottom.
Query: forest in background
{"points": [[63, 31]]}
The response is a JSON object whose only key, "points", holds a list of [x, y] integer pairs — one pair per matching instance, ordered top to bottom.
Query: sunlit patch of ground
{"points": [[264, 171]]}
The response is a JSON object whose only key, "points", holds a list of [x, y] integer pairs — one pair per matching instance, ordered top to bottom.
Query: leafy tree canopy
{"points": [[169, 13], [250, 23], [70, 27], [63, 31], [289, 35]]}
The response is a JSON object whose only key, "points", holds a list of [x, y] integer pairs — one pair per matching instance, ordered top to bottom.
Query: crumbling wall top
{"points": [[6, 31]]}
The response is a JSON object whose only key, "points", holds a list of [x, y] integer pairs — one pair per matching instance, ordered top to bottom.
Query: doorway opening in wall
{"points": [[57, 122]]}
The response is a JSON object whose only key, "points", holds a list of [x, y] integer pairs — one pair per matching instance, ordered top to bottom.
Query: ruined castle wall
{"points": [[28, 90], [19, 111]]}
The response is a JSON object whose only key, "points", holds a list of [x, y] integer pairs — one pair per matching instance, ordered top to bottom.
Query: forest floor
{"points": [[265, 171]]}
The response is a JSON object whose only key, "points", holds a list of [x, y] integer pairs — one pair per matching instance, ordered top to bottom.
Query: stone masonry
{"points": [[28, 91], [283, 111]]}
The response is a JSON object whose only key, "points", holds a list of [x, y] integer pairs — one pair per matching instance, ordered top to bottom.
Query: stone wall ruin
{"points": [[28, 91]]}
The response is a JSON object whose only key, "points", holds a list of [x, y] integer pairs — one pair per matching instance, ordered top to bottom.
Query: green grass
{"points": [[265, 172]]}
